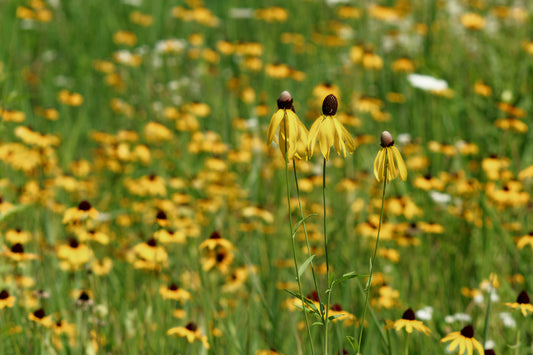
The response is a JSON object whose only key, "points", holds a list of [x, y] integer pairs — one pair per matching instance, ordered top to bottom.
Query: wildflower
{"points": [[473, 21], [427, 83], [70, 98], [328, 130], [292, 136], [390, 157], [82, 212], [524, 240], [149, 251], [218, 252], [16, 253], [73, 255], [102, 267], [174, 292], [6, 301], [523, 303], [39, 316], [408, 322], [191, 332], [464, 340]]}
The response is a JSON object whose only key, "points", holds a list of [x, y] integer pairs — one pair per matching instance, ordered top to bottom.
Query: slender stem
{"points": [[285, 117], [305, 230], [369, 283], [489, 302], [326, 311], [517, 345], [406, 346]]}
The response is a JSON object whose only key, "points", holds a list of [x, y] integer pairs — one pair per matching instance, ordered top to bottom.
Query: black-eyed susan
{"points": [[329, 131], [292, 137], [389, 163], [82, 212], [17, 235], [217, 252], [16, 253], [73, 255], [150, 255], [102, 267], [174, 292], [6, 300], [522, 303], [40, 317], [409, 323], [191, 332], [464, 340]]}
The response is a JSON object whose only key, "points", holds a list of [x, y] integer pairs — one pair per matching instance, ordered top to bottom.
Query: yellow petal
{"points": [[276, 119], [313, 133], [400, 163], [378, 165], [478, 346], [469, 347]]}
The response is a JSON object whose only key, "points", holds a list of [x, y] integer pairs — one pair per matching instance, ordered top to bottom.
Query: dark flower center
{"points": [[285, 104], [330, 105], [152, 177], [84, 206], [161, 215], [530, 233], [215, 235], [152, 242], [73, 243], [17, 248], [221, 256], [173, 287], [4, 294], [84, 296], [313, 296], [523, 298], [336, 307], [39, 313], [409, 314], [59, 323], [191, 326], [468, 331], [490, 352]]}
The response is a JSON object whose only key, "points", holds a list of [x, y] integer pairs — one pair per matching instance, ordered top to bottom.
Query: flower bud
{"points": [[330, 105], [386, 139]]}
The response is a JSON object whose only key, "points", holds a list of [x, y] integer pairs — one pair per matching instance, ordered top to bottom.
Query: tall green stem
{"points": [[285, 117], [305, 230], [369, 283], [489, 302], [326, 311]]}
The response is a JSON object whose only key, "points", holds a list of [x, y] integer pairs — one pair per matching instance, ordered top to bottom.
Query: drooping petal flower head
{"points": [[329, 131], [292, 134], [389, 162]]}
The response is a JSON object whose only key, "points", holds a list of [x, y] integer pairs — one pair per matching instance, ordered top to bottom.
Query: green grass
{"points": [[39, 59]]}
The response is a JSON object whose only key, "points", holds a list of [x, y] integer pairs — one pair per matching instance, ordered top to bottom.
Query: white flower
{"points": [[241, 12], [426, 82], [440, 197], [425, 313], [507, 319]]}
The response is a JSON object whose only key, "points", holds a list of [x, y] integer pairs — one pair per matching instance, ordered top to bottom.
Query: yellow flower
{"points": [[328, 130], [292, 132], [389, 158], [174, 292], [6, 301], [523, 303], [39, 316], [408, 322], [191, 332], [464, 340]]}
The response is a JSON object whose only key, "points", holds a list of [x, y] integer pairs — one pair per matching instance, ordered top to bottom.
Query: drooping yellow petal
{"points": [[275, 121], [313, 134], [326, 136], [339, 138], [399, 161], [379, 165], [449, 337], [455, 343], [462, 343], [478, 346], [469, 347]]}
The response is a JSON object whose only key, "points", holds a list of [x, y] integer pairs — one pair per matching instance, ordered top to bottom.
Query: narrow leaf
{"points": [[300, 222], [305, 264]]}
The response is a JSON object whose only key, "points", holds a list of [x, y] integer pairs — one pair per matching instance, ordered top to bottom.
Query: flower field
{"points": [[276, 177]]}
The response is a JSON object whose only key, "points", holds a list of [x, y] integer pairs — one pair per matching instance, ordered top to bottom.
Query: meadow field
{"points": [[200, 177]]}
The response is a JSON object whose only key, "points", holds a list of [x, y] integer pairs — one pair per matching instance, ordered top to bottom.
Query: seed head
{"points": [[285, 100], [330, 105], [386, 139]]}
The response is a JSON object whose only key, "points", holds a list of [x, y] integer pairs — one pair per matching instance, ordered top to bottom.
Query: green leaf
{"points": [[13, 211], [300, 222], [305, 264], [347, 276], [307, 301], [336, 316], [316, 323], [351, 340]]}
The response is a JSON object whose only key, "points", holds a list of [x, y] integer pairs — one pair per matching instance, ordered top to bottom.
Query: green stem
{"points": [[285, 117], [305, 230], [369, 283], [489, 302], [326, 311], [517, 345], [406, 346]]}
